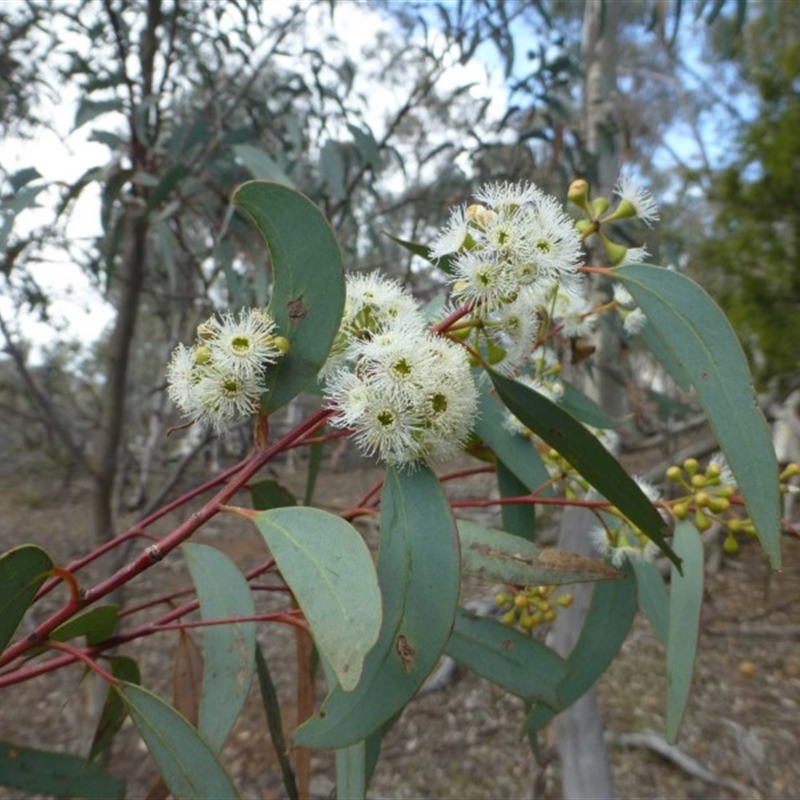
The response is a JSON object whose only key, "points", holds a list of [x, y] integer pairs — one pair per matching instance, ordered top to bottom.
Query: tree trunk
{"points": [[600, 128], [130, 278], [585, 769]]}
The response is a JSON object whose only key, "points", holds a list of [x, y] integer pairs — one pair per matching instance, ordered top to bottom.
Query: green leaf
{"points": [[89, 109], [261, 165], [334, 169], [22, 177], [171, 178], [444, 263], [308, 291], [699, 337], [584, 409], [515, 451], [584, 452], [314, 463], [269, 494], [518, 518], [499, 556], [328, 567], [418, 570], [22, 571], [653, 597], [686, 599], [96, 624], [605, 629], [228, 650], [525, 667], [272, 708], [114, 710], [186, 761], [59, 774]]}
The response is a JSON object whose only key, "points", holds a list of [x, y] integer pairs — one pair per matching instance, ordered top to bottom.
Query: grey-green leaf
{"points": [[308, 287], [701, 341], [582, 449], [499, 556], [328, 567], [418, 570], [22, 571], [686, 599], [228, 650], [503, 655], [186, 761], [58, 774]]}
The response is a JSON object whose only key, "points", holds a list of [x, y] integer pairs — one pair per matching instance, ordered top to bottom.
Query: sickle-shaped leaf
{"points": [[308, 282], [693, 329], [578, 446], [22, 571], [418, 571], [228, 650]]}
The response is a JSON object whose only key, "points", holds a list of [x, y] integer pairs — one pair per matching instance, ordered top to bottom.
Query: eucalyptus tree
{"points": [[189, 101]]}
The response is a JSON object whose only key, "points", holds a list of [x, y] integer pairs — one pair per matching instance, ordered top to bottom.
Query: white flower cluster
{"points": [[514, 240], [514, 255], [221, 377], [406, 393]]}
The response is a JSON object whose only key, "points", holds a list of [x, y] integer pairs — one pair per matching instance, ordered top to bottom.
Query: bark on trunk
{"points": [[130, 279], [585, 768]]}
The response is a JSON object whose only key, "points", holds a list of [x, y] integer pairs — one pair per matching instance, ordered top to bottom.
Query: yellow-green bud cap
{"points": [[579, 195], [599, 206], [616, 252], [208, 329], [283, 344], [202, 354], [691, 465], [674, 473], [699, 481], [702, 499], [719, 504], [680, 510], [701, 521], [730, 545]]}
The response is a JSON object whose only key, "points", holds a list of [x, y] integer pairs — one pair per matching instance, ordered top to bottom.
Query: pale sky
{"points": [[78, 311]]}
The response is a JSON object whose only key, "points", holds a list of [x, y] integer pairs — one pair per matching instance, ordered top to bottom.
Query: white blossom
{"points": [[642, 202]]}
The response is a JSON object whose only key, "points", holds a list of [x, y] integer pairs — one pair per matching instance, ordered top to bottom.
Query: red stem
{"points": [[157, 552]]}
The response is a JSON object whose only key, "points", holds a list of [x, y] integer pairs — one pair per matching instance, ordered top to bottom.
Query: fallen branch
{"points": [[655, 742]]}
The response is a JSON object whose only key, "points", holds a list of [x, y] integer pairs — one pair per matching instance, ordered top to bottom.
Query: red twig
{"points": [[156, 552]]}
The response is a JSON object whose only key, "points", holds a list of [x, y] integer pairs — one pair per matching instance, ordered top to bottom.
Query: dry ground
{"points": [[742, 724]]}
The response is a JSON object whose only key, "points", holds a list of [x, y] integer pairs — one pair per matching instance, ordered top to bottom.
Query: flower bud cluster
{"points": [[222, 376], [406, 393], [709, 492], [530, 606]]}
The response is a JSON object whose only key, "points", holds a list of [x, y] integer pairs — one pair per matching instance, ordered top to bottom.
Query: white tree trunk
{"points": [[585, 769]]}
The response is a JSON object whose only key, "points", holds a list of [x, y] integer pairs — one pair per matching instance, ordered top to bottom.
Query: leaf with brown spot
{"points": [[308, 283], [296, 310], [499, 556]]}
